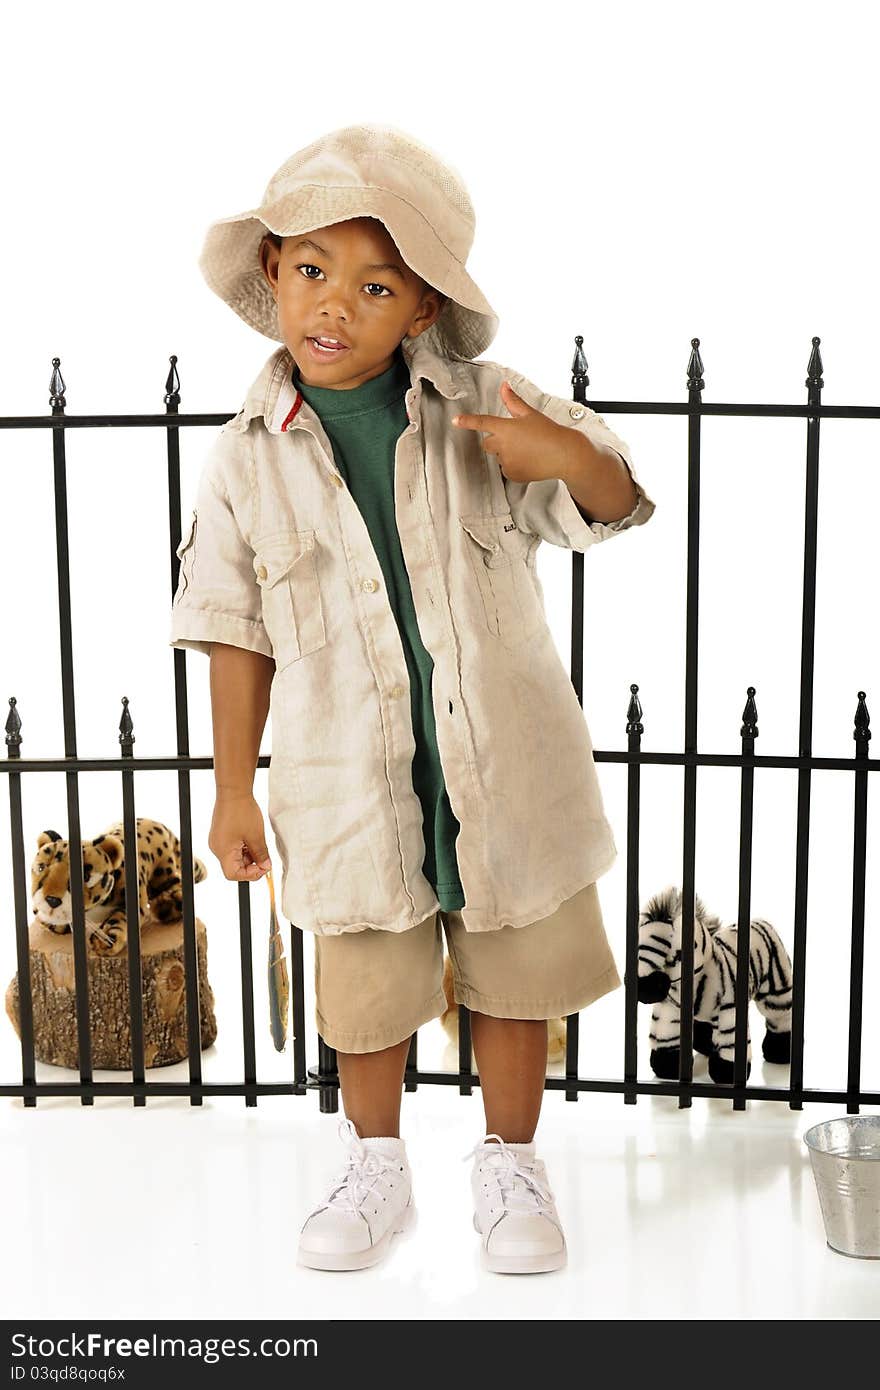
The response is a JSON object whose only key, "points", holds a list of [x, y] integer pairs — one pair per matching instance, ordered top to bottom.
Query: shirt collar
{"points": [[274, 397]]}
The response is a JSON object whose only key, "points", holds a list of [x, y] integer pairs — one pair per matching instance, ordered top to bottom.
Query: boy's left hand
{"points": [[529, 446]]}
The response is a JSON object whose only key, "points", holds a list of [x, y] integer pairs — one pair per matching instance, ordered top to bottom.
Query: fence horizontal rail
{"points": [[178, 420], [609, 755], [440, 1078]]}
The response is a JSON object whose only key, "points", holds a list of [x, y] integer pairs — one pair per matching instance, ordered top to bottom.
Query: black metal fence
{"points": [[323, 1077]]}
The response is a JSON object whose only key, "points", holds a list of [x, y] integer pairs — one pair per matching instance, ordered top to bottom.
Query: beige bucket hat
{"points": [[360, 171]]}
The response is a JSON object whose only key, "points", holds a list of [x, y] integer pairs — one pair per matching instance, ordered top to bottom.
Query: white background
{"points": [[642, 175]]}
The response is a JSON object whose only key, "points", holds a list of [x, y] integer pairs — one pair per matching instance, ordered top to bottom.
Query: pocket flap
{"points": [[483, 527], [498, 535], [276, 555]]}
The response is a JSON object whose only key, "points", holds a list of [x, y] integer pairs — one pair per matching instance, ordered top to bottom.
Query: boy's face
{"points": [[346, 281]]}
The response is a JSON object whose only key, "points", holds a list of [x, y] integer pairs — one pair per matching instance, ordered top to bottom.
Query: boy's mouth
{"points": [[322, 349]]}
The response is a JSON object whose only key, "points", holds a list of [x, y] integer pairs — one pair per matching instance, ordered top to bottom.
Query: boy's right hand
{"points": [[237, 837]]}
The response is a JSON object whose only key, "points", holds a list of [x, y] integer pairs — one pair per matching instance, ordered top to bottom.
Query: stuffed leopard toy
{"points": [[104, 878]]}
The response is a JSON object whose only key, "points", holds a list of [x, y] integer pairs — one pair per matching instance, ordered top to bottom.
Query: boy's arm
{"points": [[547, 508], [240, 682]]}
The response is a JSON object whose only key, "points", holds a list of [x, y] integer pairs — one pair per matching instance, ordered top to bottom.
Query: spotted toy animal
{"points": [[104, 880], [659, 983]]}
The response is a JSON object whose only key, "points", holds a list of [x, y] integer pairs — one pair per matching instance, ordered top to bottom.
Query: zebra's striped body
{"points": [[714, 994]]}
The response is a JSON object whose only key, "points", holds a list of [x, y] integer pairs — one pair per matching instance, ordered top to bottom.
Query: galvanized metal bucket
{"points": [[845, 1157]]}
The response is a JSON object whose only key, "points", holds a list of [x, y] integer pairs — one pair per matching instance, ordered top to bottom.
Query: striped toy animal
{"points": [[659, 983]]}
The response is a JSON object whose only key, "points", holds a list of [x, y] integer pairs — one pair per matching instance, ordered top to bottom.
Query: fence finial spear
{"points": [[815, 368], [579, 378], [695, 380], [172, 384], [56, 387], [634, 713], [750, 716], [862, 720], [13, 725], [126, 727]]}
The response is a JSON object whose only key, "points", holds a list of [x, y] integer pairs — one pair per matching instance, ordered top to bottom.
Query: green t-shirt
{"points": [[363, 425]]}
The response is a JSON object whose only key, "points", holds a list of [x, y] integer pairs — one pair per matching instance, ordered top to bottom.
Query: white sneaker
{"points": [[368, 1202], [515, 1211]]}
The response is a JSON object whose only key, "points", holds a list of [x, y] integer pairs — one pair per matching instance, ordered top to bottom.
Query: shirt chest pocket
{"points": [[500, 558], [293, 615]]}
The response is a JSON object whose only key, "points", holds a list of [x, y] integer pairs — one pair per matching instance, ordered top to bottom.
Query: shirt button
{"points": [[577, 412], [336, 480], [262, 571], [369, 586], [396, 691]]}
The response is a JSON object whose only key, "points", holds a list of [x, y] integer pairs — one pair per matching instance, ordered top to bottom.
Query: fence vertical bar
{"points": [[579, 382], [814, 384], [695, 385], [634, 731], [748, 734], [861, 734], [74, 837], [20, 900], [132, 910], [190, 955], [246, 964], [299, 1010], [412, 1063], [465, 1075], [327, 1077]]}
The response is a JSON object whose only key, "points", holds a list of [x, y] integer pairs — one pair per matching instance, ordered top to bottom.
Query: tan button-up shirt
{"points": [[277, 559]]}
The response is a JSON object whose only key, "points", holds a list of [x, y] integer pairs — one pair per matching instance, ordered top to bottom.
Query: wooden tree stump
{"points": [[164, 999]]}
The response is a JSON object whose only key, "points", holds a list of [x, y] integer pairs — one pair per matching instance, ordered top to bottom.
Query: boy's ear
{"points": [[266, 247]]}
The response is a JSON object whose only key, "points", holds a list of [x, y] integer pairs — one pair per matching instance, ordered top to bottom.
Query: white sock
{"points": [[384, 1143], [520, 1148]]}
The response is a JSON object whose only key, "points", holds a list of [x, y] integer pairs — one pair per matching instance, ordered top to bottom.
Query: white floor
{"points": [[180, 1211]]}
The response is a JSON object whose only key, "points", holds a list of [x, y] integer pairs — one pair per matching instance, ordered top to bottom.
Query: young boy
{"points": [[362, 553]]}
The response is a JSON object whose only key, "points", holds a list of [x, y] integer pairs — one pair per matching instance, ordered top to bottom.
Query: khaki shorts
{"points": [[375, 988]]}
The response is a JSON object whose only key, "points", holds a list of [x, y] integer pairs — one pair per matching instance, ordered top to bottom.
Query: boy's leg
{"points": [[513, 980], [373, 990], [511, 1056], [371, 1085]]}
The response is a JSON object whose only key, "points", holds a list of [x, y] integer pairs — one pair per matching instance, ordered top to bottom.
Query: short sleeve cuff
{"points": [[643, 508], [196, 628]]}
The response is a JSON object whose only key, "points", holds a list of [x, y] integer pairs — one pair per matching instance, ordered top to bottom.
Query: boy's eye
{"points": [[372, 284]]}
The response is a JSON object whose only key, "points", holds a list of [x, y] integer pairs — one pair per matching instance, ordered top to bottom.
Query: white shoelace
{"points": [[362, 1168], [513, 1177]]}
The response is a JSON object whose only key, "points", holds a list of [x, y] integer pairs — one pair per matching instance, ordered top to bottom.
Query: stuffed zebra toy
{"points": [[659, 983]]}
